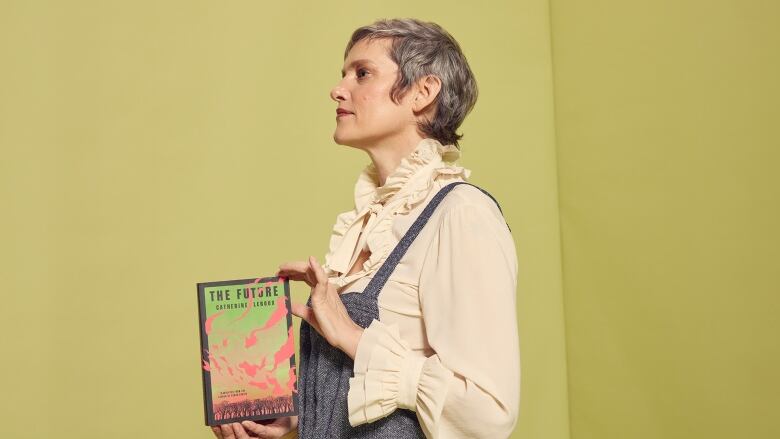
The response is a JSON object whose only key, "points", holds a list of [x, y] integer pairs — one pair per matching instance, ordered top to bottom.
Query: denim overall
{"points": [[323, 379]]}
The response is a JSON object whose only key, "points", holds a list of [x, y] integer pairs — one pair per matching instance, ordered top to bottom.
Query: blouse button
{"points": [[375, 208]]}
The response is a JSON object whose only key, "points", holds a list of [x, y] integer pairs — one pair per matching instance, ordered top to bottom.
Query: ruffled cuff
{"points": [[387, 375]]}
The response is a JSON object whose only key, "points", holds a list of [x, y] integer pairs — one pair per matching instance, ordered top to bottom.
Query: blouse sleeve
{"points": [[470, 387]]}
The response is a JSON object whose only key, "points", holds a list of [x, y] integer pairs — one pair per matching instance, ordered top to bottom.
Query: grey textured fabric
{"points": [[323, 379]]}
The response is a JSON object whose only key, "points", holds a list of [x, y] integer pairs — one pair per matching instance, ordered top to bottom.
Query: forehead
{"points": [[374, 51]]}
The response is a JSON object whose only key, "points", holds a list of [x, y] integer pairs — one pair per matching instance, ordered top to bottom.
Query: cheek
{"points": [[375, 97], [369, 100], [378, 107]]}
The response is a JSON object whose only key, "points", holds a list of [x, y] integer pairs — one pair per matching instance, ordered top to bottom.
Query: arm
{"points": [[470, 387]]}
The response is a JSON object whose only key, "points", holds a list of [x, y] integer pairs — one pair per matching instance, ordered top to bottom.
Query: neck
{"points": [[387, 155]]}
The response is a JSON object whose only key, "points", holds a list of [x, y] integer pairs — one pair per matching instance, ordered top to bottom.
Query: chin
{"points": [[341, 139]]}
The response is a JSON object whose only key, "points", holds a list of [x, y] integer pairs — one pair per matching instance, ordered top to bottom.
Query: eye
{"points": [[361, 70]]}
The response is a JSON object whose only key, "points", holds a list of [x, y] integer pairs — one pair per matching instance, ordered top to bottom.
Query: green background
{"points": [[633, 146]]}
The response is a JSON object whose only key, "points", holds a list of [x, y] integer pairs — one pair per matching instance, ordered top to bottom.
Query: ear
{"points": [[426, 90]]}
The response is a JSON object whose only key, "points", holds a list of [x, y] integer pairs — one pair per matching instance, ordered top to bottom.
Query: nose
{"points": [[338, 93]]}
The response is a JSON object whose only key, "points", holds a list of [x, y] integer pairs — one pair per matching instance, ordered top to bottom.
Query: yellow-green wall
{"points": [[666, 115], [142, 143], [632, 146]]}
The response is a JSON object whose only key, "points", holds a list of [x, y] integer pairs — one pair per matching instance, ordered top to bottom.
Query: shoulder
{"points": [[470, 201], [469, 227]]}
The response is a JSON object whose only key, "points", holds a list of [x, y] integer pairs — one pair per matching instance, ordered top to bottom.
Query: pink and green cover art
{"points": [[247, 350]]}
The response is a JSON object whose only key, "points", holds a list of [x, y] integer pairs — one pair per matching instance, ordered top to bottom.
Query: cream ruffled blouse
{"points": [[446, 343]]}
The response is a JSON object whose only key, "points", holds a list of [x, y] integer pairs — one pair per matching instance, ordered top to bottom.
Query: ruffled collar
{"points": [[429, 153], [408, 185]]}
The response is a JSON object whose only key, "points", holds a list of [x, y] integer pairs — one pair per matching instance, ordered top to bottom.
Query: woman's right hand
{"points": [[274, 429]]}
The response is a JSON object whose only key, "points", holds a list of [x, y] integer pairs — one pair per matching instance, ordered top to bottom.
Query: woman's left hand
{"points": [[327, 314]]}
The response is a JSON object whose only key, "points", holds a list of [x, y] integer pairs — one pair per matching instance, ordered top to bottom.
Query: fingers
{"points": [[295, 266], [296, 270], [319, 273], [295, 276], [321, 288], [302, 311], [306, 313], [277, 428], [259, 429], [217, 431], [227, 431], [239, 431]]}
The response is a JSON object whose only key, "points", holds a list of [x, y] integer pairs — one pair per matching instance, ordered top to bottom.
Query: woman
{"points": [[410, 329]]}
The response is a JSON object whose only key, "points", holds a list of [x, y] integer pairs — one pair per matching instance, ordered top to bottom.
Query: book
{"points": [[247, 350]]}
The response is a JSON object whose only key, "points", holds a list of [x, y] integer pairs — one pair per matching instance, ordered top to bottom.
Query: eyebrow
{"points": [[357, 61]]}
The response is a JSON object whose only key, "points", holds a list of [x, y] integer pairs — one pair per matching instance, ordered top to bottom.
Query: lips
{"points": [[340, 111]]}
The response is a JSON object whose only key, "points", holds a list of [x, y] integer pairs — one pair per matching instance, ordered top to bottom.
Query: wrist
{"points": [[351, 340]]}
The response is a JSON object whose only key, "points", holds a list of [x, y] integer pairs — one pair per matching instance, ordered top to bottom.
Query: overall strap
{"points": [[378, 281]]}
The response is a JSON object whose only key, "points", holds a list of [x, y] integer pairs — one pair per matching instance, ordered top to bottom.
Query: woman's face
{"points": [[364, 90]]}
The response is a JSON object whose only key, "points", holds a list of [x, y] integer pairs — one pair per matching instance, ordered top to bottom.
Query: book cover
{"points": [[247, 350]]}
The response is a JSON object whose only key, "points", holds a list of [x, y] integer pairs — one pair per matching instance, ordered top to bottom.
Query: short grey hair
{"points": [[424, 48]]}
